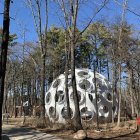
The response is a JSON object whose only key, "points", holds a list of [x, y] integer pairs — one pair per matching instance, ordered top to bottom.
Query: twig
{"points": [[128, 9], [98, 10], [133, 12]]}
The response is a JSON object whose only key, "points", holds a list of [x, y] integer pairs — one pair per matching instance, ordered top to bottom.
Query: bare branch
{"points": [[62, 6], [128, 9], [98, 10], [133, 12], [33, 14], [75, 15], [60, 20], [122, 21], [46, 24], [39, 25]]}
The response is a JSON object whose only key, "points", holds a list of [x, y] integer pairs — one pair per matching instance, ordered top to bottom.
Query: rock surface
{"points": [[80, 135]]}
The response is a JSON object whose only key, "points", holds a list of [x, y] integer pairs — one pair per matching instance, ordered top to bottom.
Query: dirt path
{"points": [[12, 132]]}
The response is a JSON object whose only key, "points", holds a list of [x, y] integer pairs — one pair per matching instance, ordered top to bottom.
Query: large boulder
{"points": [[80, 135]]}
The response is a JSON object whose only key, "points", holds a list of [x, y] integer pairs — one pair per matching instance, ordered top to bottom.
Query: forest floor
{"points": [[126, 131], [13, 132]]}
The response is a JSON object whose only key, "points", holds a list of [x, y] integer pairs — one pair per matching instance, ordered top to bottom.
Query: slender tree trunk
{"points": [[73, 15], [3, 55], [100, 65], [96, 68], [108, 75], [130, 78], [66, 79], [43, 88], [114, 88], [34, 91], [131, 92], [138, 92], [14, 94], [22, 94], [96, 96], [29, 97], [14, 99], [5, 101], [22, 101], [119, 107], [77, 120]]}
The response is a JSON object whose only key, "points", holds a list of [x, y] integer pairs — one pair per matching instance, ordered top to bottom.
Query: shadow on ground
{"points": [[18, 131], [23, 133], [5, 137]]}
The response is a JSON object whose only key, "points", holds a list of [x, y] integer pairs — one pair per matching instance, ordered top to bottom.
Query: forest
{"points": [[29, 67]]}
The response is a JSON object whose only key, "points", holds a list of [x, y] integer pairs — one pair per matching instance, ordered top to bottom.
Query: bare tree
{"points": [[35, 7], [70, 10], [70, 16], [119, 47]]}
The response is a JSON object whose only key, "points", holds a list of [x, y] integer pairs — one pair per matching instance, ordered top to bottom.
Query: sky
{"points": [[21, 16]]}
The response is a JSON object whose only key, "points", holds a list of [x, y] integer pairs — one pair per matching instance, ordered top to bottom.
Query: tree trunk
{"points": [[3, 57], [96, 68], [108, 75], [130, 78], [66, 80], [43, 88], [114, 88], [138, 91], [131, 92], [96, 96], [29, 97], [22, 101], [5, 102], [119, 107], [77, 120]]}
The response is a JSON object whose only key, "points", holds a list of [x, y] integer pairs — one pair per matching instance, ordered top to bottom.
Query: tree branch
{"points": [[62, 6], [128, 9], [98, 10], [33, 14], [39, 25], [46, 25]]}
